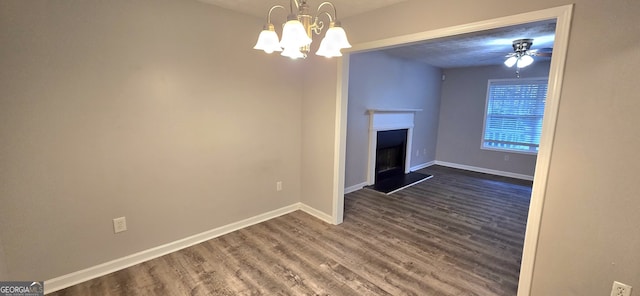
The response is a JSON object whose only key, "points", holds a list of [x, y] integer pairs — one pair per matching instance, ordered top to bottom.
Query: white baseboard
{"points": [[422, 166], [484, 170], [355, 187], [318, 214], [77, 277]]}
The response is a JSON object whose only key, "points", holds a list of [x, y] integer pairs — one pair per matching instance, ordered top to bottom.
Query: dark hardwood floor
{"points": [[459, 233]]}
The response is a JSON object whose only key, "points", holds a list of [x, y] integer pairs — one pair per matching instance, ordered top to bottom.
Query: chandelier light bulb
{"points": [[294, 35], [337, 36], [268, 40], [327, 49], [293, 53]]}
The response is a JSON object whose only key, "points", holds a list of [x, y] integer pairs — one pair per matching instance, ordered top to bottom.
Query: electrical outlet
{"points": [[417, 152], [506, 157], [279, 186], [119, 224], [620, 289]]}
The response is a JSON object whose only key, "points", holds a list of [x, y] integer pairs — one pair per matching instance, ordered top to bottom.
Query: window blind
{"points": [[513, 115]]}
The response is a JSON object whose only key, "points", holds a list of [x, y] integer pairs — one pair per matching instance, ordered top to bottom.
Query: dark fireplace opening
{"points": [[390, 154]]}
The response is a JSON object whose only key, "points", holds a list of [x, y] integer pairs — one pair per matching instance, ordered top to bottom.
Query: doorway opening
{"points": [[562, 15]]}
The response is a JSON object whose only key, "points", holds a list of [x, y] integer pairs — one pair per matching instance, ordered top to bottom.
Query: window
{"points": [[513, 114]]}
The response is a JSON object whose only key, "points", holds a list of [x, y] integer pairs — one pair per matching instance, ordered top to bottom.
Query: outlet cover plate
{"points": [[119, 224], [620, 289]]}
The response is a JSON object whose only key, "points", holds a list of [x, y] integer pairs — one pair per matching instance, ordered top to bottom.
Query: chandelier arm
{"points": [[291, 5], [271, 10], [335, 11], [328, 15], [318, 24]]}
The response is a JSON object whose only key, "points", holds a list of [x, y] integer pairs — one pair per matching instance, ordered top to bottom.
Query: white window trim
{"points": [[486, 104]]}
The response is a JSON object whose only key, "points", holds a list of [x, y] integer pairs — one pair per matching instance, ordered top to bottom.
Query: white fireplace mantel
{"points": [[392, 110], [384, 120]]}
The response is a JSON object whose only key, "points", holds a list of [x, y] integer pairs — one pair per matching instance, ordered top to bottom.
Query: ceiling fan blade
{"points": [[541, 52]]}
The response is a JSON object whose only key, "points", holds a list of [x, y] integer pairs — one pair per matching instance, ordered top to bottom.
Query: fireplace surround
{"points": [[395, 121]]}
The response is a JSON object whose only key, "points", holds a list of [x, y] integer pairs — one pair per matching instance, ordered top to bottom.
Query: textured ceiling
{"points": [[260, 8], [478, 48], [467, 50]]}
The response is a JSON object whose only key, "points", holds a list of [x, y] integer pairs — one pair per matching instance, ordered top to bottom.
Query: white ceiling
{"points": [[260, 8], [474, 49]]}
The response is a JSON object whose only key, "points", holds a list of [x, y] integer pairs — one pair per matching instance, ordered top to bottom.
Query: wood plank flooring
{"points": [[459, 233]]}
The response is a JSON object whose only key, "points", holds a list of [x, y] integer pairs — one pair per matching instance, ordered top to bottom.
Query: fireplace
{"points": [[390, 134], [391, 148], [393, 155]]}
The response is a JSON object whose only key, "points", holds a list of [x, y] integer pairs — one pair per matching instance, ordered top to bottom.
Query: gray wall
{"points": [[378, 81], [464, 93], [319, 94], [116, 108], [146, 109], [594, 164], [4, 273]]}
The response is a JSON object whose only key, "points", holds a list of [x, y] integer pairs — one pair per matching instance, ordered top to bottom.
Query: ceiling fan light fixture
{"points": [[522, 45], [522, 55], [510, 61], [524, 61]]}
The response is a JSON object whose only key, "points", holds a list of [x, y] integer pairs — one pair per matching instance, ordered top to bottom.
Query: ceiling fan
{"points": [[522, 54]]}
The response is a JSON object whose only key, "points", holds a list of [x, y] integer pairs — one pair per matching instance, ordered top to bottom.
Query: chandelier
{"points": [[298, 30], [522, 56]]}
